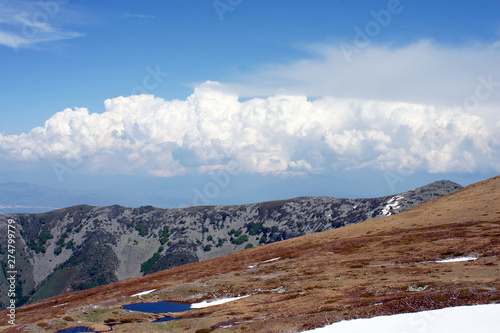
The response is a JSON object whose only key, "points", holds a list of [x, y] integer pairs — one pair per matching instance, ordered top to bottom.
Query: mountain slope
{"points": [[127, 242], [381, 266]]}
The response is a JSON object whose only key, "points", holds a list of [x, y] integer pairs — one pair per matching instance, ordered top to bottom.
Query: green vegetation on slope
{"points": [[150, 262]]}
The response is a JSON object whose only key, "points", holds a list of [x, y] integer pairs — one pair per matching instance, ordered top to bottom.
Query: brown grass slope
{"points": [[378, 267]]}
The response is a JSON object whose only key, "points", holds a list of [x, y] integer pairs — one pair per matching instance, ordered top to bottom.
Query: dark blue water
{"points": [[157, 307], [165, 319], [76, 330]]}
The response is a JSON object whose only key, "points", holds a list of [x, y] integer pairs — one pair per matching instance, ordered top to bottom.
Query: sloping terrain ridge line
{"points": [[80, 247], [378, 267]]}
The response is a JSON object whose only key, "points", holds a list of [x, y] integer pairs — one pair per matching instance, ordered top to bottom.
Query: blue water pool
{"points": [[157, 307], [165, 319], [76, 330]]}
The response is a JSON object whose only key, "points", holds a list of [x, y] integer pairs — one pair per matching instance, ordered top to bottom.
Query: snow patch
{"points": [[391, 205], [458, 259], [269, 260], [265, 261], [416, 288], [143, 293], [205, 304], [55, 306], [461, 319]]}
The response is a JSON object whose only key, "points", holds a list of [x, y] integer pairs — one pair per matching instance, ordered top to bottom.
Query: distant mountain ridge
{"points": [[23, 197], [84, 246]]}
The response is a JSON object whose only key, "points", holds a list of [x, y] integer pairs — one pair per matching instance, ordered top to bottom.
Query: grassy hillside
{"points": [[80, 247], [378, 267]]}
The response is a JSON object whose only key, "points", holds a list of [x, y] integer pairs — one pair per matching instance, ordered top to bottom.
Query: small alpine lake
{"points": [[157, 307], [76, 330]]}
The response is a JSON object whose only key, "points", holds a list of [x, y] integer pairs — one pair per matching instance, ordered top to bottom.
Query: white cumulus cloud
{"points": [[212, 130]]}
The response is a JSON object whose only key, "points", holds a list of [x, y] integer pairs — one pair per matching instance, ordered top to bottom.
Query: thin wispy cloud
{"points": [[25, 24], [421, 72]]}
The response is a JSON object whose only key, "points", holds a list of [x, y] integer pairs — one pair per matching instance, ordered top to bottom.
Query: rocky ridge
{"points": [[81, 247]]}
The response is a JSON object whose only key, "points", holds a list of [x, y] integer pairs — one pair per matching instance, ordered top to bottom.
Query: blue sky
{"points": [[335, 98]]}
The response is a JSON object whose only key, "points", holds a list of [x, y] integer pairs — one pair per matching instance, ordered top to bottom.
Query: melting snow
{"points": [[392, 204], [458, 259], [269, 260], [265, 261], [143, 293], [204, 304], [55, 306], [461, 319]]}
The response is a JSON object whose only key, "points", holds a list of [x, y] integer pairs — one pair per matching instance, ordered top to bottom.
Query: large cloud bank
{"points": [[423, 72], [214, 130]]}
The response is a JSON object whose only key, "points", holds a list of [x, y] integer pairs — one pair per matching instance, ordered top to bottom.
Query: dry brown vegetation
{"points": [[378, 267]]}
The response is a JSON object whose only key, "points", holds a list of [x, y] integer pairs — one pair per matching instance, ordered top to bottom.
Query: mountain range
{"points": [[84, 246], [441, 253]]}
